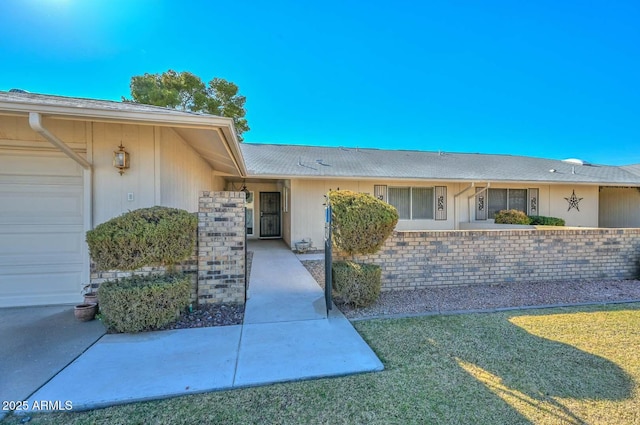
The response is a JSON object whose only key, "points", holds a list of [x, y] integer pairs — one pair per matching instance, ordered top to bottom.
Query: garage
{"points": [[619, 206], [42, 254]]}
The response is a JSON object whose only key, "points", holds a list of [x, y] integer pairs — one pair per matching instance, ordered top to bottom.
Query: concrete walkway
{"points": [[281, 288], [286, 336]]}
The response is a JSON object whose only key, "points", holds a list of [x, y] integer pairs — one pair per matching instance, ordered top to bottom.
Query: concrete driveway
{"points": [[38, 342]]}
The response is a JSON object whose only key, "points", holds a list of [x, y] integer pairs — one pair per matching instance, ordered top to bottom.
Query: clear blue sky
{"points": [[544, 78]]}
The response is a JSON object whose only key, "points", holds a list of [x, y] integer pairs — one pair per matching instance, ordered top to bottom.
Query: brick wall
{"points": [[221, 241], [414, 260], [189, 266], [217, 266]]}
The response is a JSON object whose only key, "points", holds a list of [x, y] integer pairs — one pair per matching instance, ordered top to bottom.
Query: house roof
{"points": [[45, 100], [213, 137], [286, 161], [634, 168]]}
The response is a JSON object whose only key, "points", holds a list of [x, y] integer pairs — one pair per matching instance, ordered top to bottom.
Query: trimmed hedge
{"points": [[511, 217], [519, 217], [540, 220], [361, 222], [143, 237], [356, 284], [140, 303]]}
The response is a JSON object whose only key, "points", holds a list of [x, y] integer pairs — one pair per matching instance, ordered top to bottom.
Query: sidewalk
{"points": [[286, 336]]}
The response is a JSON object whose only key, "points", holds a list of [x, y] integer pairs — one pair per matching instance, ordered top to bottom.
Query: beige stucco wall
{"points": [[16, 133], [164, 170], [183, 173], [110, 189], [307, 198], [551, 202], [307, 205], [467, 206], [559, 207]]}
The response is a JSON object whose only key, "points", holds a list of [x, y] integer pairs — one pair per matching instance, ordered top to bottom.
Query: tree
{"points": [[186, 92]]}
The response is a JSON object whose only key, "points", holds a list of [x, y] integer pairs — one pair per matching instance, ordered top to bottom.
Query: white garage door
{"points": [[42, 251]]}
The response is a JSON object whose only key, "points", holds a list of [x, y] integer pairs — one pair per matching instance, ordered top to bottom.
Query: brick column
{"points": [[221, 252]]}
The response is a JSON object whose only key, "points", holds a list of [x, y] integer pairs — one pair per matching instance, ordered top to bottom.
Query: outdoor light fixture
{"points": [[121, 159], [247, 193]]}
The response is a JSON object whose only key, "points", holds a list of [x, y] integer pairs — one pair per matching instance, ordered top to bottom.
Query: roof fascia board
{"points": [[151, 117], [222, 125], [233, 149], [417, 179]]}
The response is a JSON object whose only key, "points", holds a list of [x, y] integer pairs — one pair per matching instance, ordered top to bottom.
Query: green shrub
{"points": [[511, 217], [540, 220], [361, 222], [143, 237], [356, 284], [140, 303]]}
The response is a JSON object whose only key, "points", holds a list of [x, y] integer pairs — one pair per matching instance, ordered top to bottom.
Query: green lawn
{"points": [[574, 366]]}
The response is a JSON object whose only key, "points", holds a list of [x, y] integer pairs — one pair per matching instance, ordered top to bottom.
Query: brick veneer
{"points": [[221, 242], [414, 260], [189, 266], [217, 266]]}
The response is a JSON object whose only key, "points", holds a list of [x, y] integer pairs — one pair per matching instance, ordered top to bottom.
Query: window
{"points": [[400, 197], [507, 199], [412, 203]]}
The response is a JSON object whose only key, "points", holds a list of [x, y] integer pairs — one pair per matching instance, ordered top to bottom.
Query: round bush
{"points": [[512, 217], [361, 222], [143, 237], [356, 284], [141, 303]]}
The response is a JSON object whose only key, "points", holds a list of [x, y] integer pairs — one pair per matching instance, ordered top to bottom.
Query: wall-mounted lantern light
{"points": [[121, 159], [247, 193]]}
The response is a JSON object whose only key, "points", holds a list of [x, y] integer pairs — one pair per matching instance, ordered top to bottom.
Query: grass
{"points": [[561, 366]]}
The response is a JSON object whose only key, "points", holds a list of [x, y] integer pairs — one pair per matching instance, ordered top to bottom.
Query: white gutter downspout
{"points": [[35, 121], [456, 224]]}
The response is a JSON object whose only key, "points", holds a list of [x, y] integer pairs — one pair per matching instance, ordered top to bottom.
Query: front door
{"points": [[270, 215]]}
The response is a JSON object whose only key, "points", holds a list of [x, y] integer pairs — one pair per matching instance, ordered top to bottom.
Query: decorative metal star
{"points": [[574, 201]]}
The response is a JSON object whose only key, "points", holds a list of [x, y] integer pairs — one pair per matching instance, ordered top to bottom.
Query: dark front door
{"points": [[270, 215]]}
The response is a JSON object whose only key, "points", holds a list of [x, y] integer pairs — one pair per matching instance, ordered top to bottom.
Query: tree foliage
{"points": [[187, 92], [361, 222]]}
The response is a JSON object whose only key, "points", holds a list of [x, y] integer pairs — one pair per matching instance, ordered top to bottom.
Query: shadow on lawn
{"points": [[536, 366], [525, 371]]}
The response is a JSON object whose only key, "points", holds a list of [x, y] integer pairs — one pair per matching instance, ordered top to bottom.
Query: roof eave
{"points": [[159, 118], [435, 179]]}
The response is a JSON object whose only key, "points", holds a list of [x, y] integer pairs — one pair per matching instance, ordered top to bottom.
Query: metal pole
{"points": [[328, 261]]}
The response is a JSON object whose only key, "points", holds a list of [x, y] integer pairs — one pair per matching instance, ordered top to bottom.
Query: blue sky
{"points": [[544, 78]]}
